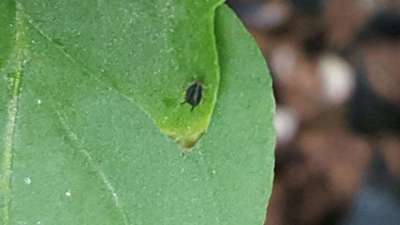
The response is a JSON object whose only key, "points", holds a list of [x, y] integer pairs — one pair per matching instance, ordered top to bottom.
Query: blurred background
{"points": [[336, 71]]}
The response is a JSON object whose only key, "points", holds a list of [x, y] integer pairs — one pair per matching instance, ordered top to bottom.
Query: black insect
{"points": [[194, 93]]}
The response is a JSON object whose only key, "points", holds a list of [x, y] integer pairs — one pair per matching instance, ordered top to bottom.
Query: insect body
{"points": [[194, 93]]}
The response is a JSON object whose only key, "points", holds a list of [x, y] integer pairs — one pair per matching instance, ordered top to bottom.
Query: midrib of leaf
{"points": [[12, 111]]}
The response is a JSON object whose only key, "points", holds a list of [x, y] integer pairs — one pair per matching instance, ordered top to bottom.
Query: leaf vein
{"points": [[74, 60], [12, 113], [78, 145]]}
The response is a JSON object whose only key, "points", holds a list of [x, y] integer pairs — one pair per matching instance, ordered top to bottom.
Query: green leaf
{"points": [[149, 51], [81, 97]]}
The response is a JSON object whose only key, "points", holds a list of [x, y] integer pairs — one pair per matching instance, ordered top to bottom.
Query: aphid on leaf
{"points": [[194, 94]]}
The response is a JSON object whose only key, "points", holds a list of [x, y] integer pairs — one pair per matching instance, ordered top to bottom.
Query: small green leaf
{"points": [[84, 92]]}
